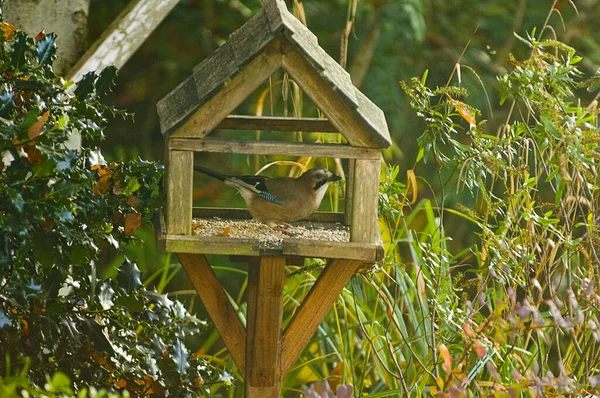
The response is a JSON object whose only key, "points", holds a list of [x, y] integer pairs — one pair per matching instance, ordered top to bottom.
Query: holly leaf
{"points": [[46, 49], [17, 57], [106, 80], [85, 86], [7, 102], [96, 158], [67, 162], [129, 276], [105, 296], [131, 302], [4, 320], [180, 356]]}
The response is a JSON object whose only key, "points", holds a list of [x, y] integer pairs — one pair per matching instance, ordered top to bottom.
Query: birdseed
{"points": [[268, 237]]}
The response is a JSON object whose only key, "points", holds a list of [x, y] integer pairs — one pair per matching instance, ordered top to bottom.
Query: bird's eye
{"points": [[319, 174]]}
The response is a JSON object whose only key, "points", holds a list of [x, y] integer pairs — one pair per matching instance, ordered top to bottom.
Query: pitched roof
{"points": [[272, 22]]}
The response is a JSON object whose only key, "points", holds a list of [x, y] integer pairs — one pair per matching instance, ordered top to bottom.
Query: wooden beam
{"points": [[123, 37], [338, 112], [207, 117], [276, 123], [222, 145], [179, 177], [348, 200], [365, 227], [327, 249], [217, 305], [313, 309], [263, 339]]}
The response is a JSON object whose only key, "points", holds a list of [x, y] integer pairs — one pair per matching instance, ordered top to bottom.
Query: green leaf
{"points": [[46, 49], [17, 57], [106, 80], [85, 86], [7, 102], [550, 128], [68, 162], [132, 186], [129, 276], [105, 296], [132, 302], [180, 356], [61, 383]]}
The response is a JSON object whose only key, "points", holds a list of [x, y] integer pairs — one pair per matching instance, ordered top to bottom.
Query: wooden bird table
{"points": [[263, 352]]}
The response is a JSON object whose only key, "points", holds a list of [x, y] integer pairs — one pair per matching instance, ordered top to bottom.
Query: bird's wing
{"points": [[256, 185]]}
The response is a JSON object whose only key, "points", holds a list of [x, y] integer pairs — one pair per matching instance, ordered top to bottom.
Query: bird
{"points": [[280, 200]]}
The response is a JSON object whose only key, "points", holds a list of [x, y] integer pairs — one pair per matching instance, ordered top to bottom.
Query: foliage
{"points": [[63, 212], [514, 312]]}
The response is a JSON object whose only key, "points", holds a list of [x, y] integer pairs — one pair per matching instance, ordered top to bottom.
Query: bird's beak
{"points": [[334, 178]]}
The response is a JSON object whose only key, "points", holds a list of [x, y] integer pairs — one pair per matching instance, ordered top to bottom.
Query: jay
{"points": [[282, 199]]}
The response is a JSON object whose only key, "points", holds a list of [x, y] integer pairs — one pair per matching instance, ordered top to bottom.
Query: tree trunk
{"points": [[66, 18]]}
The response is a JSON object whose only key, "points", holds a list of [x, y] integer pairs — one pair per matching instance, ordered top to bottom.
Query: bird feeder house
{"points": [[272, 40]]}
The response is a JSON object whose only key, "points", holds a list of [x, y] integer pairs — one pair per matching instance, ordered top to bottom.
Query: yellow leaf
{"points": [[8, 30], [38, 127], [412, 181], [132, 223], [198, 353], [447, 365], [440, 382]]}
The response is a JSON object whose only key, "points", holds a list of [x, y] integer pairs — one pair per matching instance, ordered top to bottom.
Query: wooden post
{"points": [[179, 179], [365, 200], [263, 328]]}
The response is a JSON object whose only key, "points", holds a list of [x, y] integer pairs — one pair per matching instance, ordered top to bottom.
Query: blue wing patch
{"points": [[268, 196]]}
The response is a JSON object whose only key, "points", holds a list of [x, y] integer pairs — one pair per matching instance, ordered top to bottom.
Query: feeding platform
{"points": [[272, 40]]}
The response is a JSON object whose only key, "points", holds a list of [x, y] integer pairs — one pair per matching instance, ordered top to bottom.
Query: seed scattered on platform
{"points": [[252, 229]]}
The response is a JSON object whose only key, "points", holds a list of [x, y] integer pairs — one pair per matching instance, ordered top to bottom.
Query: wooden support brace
{"points": [[217, 305], [313, 309], [263, 339]]}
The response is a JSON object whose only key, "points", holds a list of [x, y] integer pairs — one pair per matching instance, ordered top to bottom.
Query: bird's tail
{"points": [[212, 173]]}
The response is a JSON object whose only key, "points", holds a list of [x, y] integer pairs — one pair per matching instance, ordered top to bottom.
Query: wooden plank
{"points": [[123, 37], [232, 94], [324, 96], [275, 123], [223, 145], [179, 175], [349, 192], [365, 201], [236, 214], [209, 245], [254, 247], [324, 249], [217, 305], [313, 309], [264, 341]]}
